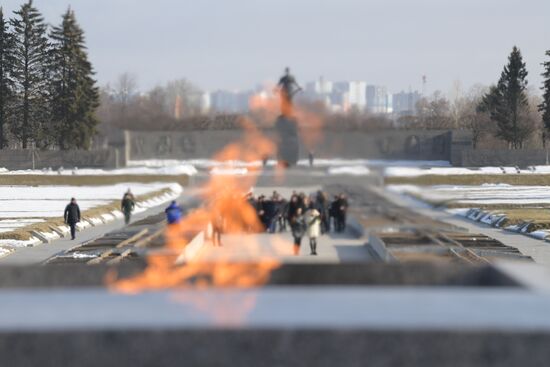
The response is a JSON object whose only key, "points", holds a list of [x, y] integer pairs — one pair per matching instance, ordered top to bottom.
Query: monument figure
{"points": [[288, 89], [286, 125]]}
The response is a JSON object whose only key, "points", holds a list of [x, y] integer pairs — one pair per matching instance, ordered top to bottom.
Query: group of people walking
{"points": [[310, 216], [72, 217]]}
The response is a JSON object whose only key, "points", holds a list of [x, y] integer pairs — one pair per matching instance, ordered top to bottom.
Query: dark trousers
{"points": [[127, 217], [341, 222], [282, 223], [325, 224], [73, 230], [217, 237], [298, 241], [313, 245]]}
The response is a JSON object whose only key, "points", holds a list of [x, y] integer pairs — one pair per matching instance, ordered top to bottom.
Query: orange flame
{"points": [[224, 196]]}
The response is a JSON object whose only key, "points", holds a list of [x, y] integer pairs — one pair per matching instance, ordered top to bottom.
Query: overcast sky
{"points": [[234, 44]]}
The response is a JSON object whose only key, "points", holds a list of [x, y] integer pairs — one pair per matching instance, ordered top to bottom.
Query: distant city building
{"points": [[319, 87], [318, 91], [352, 94], [342, 97], [378, 100], [230, 102], [205, 103], [404, 103]]}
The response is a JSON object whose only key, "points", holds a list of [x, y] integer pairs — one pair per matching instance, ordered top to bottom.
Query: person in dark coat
{"points": [[311, 158], [321, 205], [127, 206], [291, 209], [283, 210], [342, 210], [261, 212], [333, 214], [270, 215], [72, 216], [298, 226]]}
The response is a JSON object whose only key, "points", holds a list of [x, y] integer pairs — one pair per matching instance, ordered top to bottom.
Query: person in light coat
{"points": [[313, 221]]}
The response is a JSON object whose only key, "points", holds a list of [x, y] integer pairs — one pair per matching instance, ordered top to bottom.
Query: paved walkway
{"points": [[334, 248], [539, 250]]}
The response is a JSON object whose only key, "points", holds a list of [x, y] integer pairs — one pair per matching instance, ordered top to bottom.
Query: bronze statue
{"points": [[288, 89], [286, 125]]}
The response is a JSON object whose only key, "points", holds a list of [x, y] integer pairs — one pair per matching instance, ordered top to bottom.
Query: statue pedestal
{"points": [[288, 141]]}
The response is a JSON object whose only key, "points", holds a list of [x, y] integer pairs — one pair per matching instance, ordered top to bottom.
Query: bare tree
{"points": [[125, 89], [183, 95], [433, 112], [468, 116]]}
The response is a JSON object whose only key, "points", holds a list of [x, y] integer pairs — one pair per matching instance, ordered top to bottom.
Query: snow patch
{"points": [[171, 170], [349, 170], [219, 171], [407, 171]]}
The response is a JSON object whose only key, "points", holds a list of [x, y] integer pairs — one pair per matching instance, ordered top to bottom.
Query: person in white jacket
{"points": [[313, 222]]}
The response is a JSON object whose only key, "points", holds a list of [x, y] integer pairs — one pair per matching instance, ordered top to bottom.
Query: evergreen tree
{"points": [[7, 44], [31, 75], [74, 94], [507, 102], [545, 106]]}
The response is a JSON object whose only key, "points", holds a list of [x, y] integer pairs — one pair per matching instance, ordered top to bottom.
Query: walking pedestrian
{"points": [[311, 158], [321, 204], [128, 205], [292, 208], [342, 210], [174, 213], [333, 214], [270, 215], [72, 216], [313, 220], [218, 225], [298, 228]]}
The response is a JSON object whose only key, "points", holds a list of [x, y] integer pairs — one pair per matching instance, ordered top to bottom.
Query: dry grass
{"points": [[510, 179], [41, 180], [539, 216], [24, 233]]}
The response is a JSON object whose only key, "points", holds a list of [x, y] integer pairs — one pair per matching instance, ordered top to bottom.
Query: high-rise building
{"points": [[319, 87], [319, 91], [356, 92], [378, 100], [230, 102], [205, 103], [404, 103]]}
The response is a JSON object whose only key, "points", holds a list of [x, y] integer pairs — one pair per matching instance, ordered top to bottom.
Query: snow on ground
{"points": [[339, 162], [200, 163], [358, 164], [171, 170], [349, 170], [221, 171], [442, 171], [482, 194], [26, 202], [21, 206], [11, 224], [18, 244], [5, 251]]}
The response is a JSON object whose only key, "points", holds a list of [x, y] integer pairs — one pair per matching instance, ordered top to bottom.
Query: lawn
{"points": [[510, 179], [92, 180]]}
